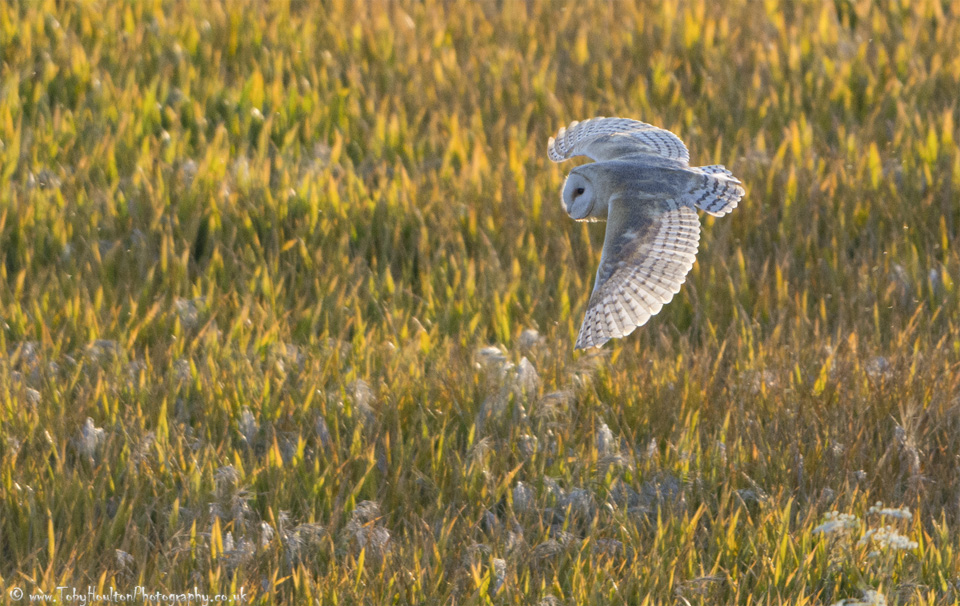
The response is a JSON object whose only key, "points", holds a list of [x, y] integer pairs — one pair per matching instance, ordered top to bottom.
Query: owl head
{"points": [[581, 199]]}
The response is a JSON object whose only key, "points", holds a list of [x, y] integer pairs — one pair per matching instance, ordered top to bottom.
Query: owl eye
{"points": [[578, 192]]}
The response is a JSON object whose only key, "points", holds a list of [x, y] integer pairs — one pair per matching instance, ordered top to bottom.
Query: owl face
{"points": [[580, 198]]}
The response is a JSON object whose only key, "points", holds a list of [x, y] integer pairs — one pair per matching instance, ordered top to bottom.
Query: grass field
{"points": [[288, 304]]}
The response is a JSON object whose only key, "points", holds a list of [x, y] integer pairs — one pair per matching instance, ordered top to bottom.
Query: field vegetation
{"points": [[288, 304]]}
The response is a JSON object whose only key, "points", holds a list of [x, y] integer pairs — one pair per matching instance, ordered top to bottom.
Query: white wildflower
{"points": [[187, 172], [188, 310], [529, 339], [103, 350], [490, 356], [878, 368], [182, 371], [528, 379], [32, 396], [363, 400], [248, 425], [323, 433], [91, 437], [604, 440], [528, 445], [226, 476], [523, 497], [580, 503], [366, 512], [902, 513], [837, 522], [364, 527], [266, 534], [373, 537], [887, 537], [298, 541], [546, 550], [236, 553], [124, 560], [499, 575], [870, 598]]}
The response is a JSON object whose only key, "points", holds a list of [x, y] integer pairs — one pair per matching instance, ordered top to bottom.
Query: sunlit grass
{"points": [[253, 253]]}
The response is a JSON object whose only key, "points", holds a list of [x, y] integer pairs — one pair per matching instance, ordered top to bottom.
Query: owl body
{"points": [[621, 179], [642, 184]]}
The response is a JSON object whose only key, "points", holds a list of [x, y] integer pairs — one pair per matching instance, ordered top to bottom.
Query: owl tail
{"points": [[719, 193]]}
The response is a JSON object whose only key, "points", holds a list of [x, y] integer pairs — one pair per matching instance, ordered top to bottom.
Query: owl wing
{"points": [[609, 138], [649, 247]]}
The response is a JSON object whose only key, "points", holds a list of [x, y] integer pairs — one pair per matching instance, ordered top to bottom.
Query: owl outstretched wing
{"points": [[609, 138], [649, 247]]}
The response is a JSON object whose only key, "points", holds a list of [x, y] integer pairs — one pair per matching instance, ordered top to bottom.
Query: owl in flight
{"points": [[642, 185]]}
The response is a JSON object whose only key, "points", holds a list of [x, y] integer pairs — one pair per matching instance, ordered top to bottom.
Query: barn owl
{"points": [[642, 185]]}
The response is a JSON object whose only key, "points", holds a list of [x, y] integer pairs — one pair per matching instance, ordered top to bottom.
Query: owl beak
{"points": [[585, 214]]}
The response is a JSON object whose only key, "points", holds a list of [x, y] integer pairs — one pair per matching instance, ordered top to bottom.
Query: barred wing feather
{"points": [[609, 138], [648, 250]]}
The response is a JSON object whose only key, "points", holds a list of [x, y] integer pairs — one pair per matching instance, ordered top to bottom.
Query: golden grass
{"points": [[262, 245]]}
